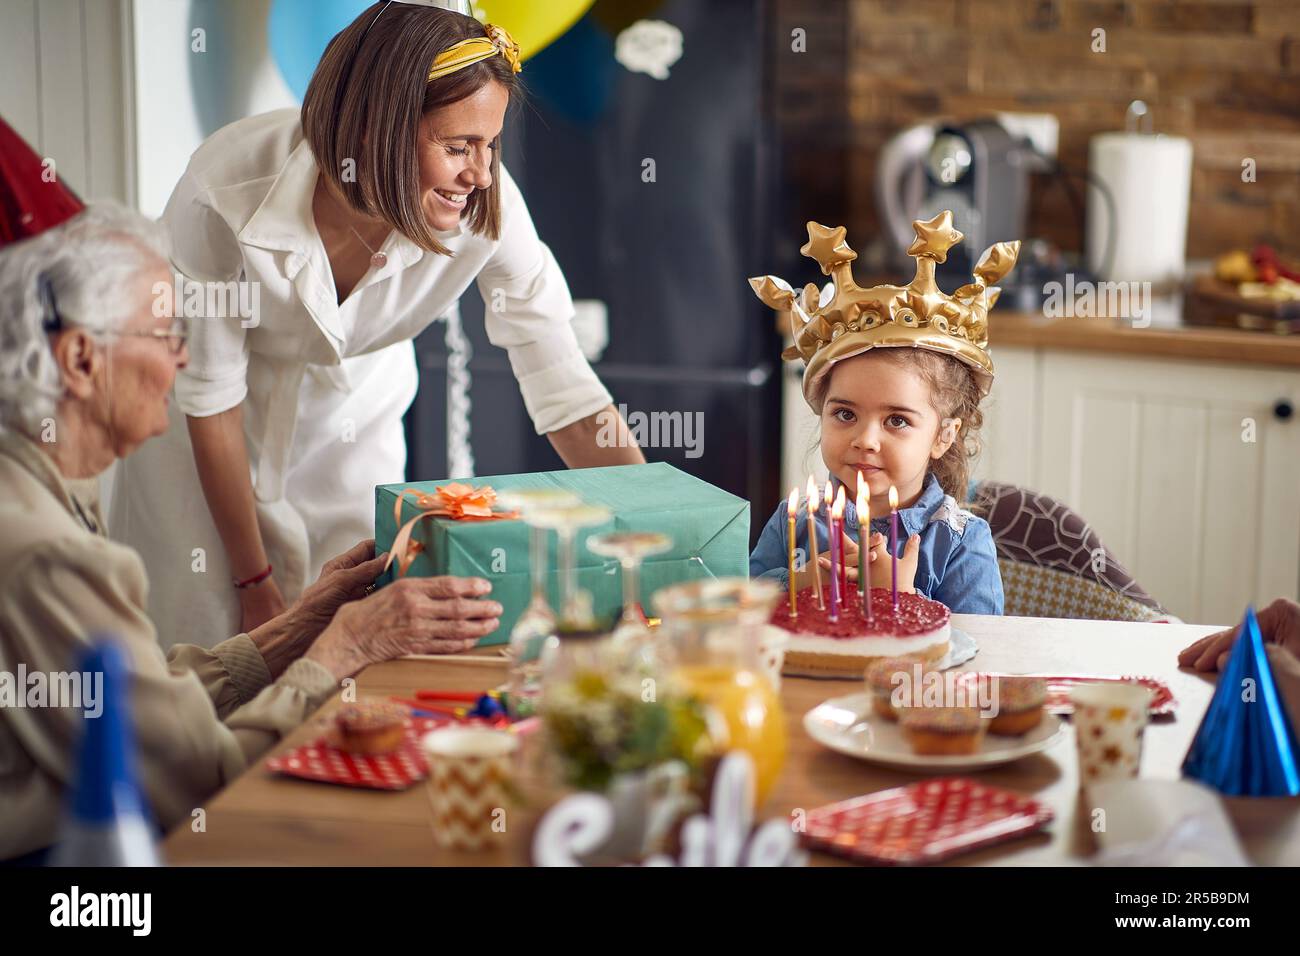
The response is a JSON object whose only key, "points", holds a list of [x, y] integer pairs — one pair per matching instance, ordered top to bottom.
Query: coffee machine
{"points": [[978, 170]]}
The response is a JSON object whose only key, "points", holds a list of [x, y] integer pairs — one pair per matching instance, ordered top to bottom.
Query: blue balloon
{"points": [[298, 31], [576, 74]]}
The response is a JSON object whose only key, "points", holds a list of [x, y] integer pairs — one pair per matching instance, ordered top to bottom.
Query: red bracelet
{"points": [[257, 578]]}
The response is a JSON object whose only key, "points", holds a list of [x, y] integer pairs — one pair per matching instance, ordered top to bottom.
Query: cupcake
{"points": [[881, 683], [1020, 703], [370, 727], [942, 731]]}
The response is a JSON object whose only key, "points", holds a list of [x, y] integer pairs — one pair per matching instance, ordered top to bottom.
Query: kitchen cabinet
{"points": [[1189, 470]]}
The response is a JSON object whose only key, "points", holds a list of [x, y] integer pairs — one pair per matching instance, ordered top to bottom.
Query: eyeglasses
{"points": [[176, 334]]}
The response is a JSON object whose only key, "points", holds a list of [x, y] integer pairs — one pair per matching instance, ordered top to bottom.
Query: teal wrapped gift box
{"points": [[709, 528]]}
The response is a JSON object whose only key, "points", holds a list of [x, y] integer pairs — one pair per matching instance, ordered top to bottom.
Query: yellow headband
{"points": [[471, 51]]}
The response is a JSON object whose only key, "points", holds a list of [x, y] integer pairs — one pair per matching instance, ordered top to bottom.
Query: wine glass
{"points": [[631, 548], [576, 612], [538, 621]]}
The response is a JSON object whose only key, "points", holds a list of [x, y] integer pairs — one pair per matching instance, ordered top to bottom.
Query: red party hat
{"points": [[32, 199]]}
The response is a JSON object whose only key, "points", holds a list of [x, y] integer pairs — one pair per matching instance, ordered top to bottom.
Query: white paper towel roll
{"points": [[1150, 178]]}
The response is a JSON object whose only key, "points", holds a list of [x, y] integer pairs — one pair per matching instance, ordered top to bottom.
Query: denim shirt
{"points": [[957, 566]]}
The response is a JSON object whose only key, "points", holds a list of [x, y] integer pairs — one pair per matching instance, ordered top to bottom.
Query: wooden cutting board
{"points": [[1213, 302]]}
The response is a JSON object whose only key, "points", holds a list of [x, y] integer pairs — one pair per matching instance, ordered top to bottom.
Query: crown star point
{"points": [[934, 237], [827, 246], [774, 291], [919, 314]]}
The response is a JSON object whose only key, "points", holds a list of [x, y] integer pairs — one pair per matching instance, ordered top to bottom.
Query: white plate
{"points": [[961, 648], [840, 724]]}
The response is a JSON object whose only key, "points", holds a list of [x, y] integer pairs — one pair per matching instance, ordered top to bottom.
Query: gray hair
{"points": [[86, 264]]}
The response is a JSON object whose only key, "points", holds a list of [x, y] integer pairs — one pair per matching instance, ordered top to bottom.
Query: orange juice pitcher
{"points": [[714, 628]]}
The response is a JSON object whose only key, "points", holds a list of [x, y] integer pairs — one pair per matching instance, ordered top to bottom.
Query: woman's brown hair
{"points": [[365, 102], [954, 393]]}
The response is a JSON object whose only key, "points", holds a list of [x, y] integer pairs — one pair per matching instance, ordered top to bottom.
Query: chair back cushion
{"points": [[1052, 559], [1033, 591]]}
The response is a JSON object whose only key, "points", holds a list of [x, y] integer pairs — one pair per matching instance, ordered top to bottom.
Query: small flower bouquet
{"points": [[601, 726]]}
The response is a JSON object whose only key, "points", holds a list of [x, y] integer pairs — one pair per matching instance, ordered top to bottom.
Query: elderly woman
{"points": [[85, 370]]}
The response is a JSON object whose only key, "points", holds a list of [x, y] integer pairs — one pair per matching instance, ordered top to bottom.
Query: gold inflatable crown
{"points": [[846, 320]]}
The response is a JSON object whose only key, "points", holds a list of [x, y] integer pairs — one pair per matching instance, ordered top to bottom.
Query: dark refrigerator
{"points": [[655, 196]]}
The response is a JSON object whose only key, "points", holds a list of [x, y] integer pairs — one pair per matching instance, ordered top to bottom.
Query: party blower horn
{"points": [[1245, 745], [108, 824]]}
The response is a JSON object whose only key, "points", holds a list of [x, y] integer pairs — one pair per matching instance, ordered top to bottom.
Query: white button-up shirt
{"points": [[244, 207]]}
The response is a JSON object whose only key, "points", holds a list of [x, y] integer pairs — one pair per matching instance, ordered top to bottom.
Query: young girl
{"points": [[896, 375], [903, 417]]}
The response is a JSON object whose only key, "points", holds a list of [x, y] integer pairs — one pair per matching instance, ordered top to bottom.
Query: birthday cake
{"points": [[918, 630]]}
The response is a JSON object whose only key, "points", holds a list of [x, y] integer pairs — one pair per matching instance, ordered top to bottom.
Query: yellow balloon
{"points": [[533, 25]]}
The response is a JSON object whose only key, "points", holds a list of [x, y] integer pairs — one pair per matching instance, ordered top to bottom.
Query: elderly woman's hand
{"points": [[343, 578], [442, 615], [1279, 623]]}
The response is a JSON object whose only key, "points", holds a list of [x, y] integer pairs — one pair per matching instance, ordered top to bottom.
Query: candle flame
{"points": [[812, 493], [829, 496], [862, 497], [893, 498], [793, 505], [838, 511]]}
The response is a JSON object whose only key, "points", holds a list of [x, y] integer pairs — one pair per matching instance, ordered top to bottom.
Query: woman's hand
{"points": [[343, 578], [259, 603], [442, 615], [1279, 623]]}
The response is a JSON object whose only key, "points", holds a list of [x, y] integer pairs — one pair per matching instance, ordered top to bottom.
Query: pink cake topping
{"points": [[916, 615], [941, 720]]}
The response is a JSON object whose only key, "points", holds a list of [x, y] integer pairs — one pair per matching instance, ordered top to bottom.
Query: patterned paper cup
{"points": [[1108, 723], [469, 783]]}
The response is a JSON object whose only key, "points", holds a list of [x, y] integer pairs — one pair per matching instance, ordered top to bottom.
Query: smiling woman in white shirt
{"points": [[350, 226]]}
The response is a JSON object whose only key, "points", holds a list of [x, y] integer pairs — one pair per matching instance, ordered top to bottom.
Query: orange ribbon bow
{"points": [[457, 501]]}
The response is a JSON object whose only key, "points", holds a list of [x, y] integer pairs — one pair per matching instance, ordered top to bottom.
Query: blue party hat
{"points": [[1246, 745], [108, 824]]}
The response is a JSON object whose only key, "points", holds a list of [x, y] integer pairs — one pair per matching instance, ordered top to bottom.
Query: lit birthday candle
{"points": [[792, 508], [863, 521], [864, 529], [812, 541], [893, 541], [837, 551], [832, 552], [844, 561]]}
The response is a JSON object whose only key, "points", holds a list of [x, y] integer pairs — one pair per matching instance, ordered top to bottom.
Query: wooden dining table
{"points": [[264, 818]]}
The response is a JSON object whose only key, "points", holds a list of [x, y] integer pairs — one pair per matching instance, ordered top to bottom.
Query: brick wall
{"points": [[1225, 74]]}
